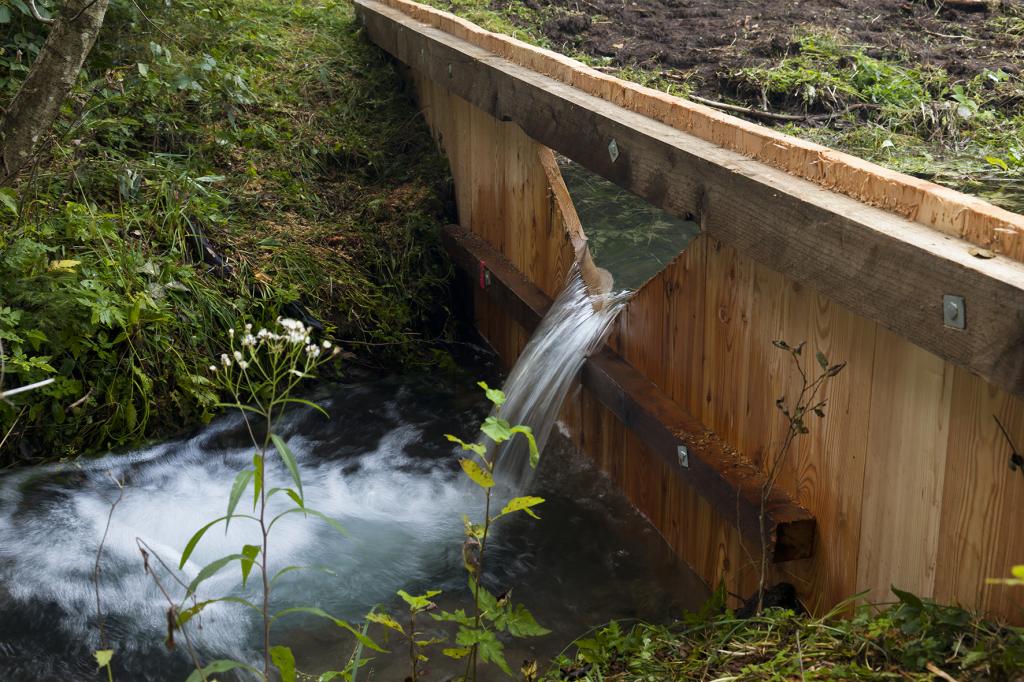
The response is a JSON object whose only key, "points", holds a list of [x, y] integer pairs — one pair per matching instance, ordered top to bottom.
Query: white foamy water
{"points": [[575, 326], [382, 468], [402, 514]]}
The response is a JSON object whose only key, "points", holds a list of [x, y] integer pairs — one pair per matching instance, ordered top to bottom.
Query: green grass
{"points": [[272, 128], [895, 642]]}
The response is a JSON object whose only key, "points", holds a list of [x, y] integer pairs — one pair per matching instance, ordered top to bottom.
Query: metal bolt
{"points": [[449, 70], [613, 150], [487, 278], [954, 311], [684, 456]]}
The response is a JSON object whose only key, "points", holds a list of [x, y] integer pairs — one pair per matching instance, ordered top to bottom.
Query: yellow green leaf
{"points": [[64, 264], [479, 475], [522, 504], [385, 620], [456, 652], [103, 657]]}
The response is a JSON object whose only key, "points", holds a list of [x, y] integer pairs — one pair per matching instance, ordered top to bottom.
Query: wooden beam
{"points": [[941, 208], [877, 264], [730, 482]]}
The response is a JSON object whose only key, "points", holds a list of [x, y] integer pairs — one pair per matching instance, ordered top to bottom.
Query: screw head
{"points": [[613, 150], [954, 311], [683, 453]]}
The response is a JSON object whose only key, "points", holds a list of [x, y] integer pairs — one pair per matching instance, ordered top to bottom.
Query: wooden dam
{"points": [[917, 288]]}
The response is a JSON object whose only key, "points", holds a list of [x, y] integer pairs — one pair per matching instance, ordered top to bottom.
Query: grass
{"points": [[967, 134], [219, 161], [909, 640]]}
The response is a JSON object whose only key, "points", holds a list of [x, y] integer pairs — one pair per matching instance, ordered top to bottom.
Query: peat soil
{"points": [[706, 40]]}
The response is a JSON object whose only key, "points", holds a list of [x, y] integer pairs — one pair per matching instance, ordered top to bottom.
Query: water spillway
{"points": [[918, 289], [574, 326]]}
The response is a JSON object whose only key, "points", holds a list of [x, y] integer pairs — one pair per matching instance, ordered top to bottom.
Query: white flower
{"points": [[248, 326], [231, 332], [263, 333], [249, 340], [326, 344], [312, 350], [238, 356], [225, 360], [243, 364], [213, 368]]}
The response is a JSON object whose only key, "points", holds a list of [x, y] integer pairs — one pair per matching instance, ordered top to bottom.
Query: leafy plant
{"points": [[261, 371], [808, 402], [477, 636], [913, 639]]}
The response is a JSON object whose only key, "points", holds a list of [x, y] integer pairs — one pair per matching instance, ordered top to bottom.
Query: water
{"points": [[627, 236], [575, 326], [382, 467]]}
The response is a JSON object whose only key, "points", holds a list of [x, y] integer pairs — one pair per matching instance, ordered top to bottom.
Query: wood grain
{"points": [[938, 207], [875, 263], [907, 440]]}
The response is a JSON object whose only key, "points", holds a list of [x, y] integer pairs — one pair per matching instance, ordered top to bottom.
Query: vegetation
{"points": [[961, 132], [215, 160], [260, 372], [477, 638], [913, 639]]}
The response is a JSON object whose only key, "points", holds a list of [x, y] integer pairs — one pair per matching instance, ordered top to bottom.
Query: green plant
{"points": [[216, 159], [261, 371], [808, 402], [418, 604], [476, 638], [913, 639]]}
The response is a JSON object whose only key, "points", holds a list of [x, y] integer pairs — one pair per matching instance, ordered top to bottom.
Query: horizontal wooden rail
{"points": [[877, 264], [727, 480]]}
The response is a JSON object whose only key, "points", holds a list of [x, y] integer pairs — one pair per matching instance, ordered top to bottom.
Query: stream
{"points": [[381, 466]]}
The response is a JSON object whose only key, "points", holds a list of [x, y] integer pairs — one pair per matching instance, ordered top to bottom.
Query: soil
{"points": [[708, 39]]}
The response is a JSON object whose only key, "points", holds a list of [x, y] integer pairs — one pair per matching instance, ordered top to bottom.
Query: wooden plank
{"points": [[938, 207], [877, 264], [907, 440], [730, 483], [982, 528]]}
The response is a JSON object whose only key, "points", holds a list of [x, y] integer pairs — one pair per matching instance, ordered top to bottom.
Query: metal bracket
{"points": [[613, 150], [954, 311], [683, 453]]}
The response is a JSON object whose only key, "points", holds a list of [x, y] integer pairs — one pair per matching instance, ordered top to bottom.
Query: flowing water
{"points": [[575, 326], [382, 467]]}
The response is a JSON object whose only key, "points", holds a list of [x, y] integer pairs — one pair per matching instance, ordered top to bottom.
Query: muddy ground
{"points": [[708, 40]]}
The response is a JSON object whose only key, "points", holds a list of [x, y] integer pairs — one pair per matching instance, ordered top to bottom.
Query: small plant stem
{"points": [[265, 531], [146, 550], [96, 570], [413, 660], [471, 667]]}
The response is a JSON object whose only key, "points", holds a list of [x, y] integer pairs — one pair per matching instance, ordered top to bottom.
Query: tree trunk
{"points": [[53, 73]]}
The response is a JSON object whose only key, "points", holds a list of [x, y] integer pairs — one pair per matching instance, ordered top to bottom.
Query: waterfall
{"points": [[575, 326]]}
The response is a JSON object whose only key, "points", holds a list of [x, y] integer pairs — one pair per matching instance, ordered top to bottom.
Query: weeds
{"points": [[216, 160], [914, 639]]}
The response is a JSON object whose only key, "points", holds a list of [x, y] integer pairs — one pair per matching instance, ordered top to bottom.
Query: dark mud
{"points": [[708, 40]]}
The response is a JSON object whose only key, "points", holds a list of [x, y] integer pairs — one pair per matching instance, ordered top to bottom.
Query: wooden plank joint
{"points": [[726, 479]]}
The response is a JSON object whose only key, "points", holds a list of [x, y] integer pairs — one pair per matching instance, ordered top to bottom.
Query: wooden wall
{"points": [[908, 475]]}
